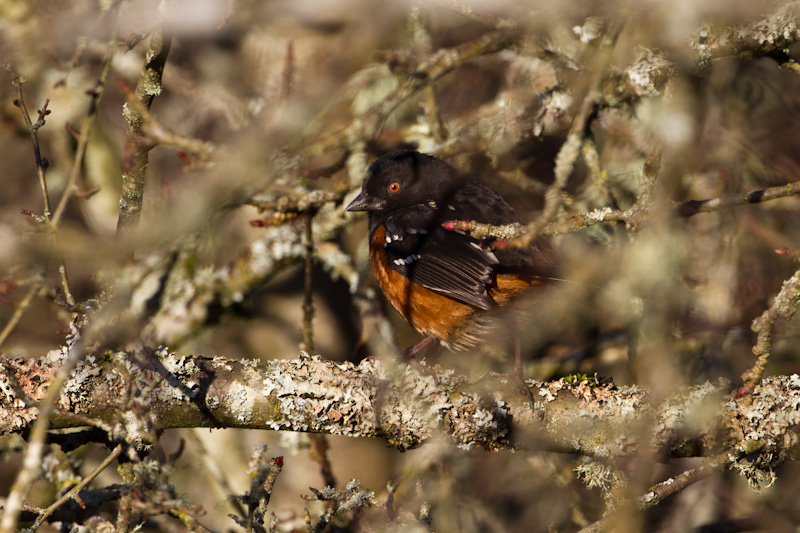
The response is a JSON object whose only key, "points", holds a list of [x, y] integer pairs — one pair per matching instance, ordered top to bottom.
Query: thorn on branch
{"points": [[75, 134], [87, 194], [794, 255], [6, 286]]}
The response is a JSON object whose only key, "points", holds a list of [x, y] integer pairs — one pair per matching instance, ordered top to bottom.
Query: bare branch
{"points": [[774, 32], [91, 115], [33, 129], [136, 151], [41, 169], [692, 207], [633, 217], [36, 285], [784, 306], [215, 470], [674, 485], [660, 491], [72, 494]]}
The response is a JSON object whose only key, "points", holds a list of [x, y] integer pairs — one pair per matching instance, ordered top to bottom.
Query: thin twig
{"points": [[469, 13], [422, 41], [88, 122], [33, 129], [571, 149], [41, 169], [329, 170], [598, 174], [70, 188], [312, 202], [647, 203], [692, 207], [684, 209], [633, 217], [480, 230], [62, 271], [36, 286], [308, 292], [784, 306], [320, 452], [32, 460], [213, 468], [263, 475], [674, 485], [660, 491], [72, 494]]}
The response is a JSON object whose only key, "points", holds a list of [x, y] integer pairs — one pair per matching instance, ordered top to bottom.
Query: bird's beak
{"points": [[363, 202]]}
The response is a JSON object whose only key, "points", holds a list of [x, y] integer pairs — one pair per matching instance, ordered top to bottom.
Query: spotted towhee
{"points": [[443, 282]]}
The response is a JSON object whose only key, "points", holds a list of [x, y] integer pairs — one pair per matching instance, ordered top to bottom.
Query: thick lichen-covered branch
{"points": [[774, 33], [405, 406]]}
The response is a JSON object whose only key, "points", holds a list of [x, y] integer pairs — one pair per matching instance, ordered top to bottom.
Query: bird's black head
{"points": [[405, 178]]}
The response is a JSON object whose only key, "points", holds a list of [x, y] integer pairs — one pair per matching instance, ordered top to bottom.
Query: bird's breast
{"points": [[427, 311]]}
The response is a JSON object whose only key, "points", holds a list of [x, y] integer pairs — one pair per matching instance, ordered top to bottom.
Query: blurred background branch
{"points": [[657, 148]]}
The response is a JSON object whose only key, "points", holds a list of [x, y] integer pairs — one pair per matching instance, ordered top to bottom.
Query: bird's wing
{"points": [[449, 263]]}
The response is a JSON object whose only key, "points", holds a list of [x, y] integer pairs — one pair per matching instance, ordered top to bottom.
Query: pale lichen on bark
{"points": [[407, 406]]}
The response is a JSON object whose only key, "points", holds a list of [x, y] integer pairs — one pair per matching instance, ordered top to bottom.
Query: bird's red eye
{"points": [[394, 187]]}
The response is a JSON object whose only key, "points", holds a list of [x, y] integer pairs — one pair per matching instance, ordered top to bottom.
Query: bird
{"points": [[447, 284]]}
